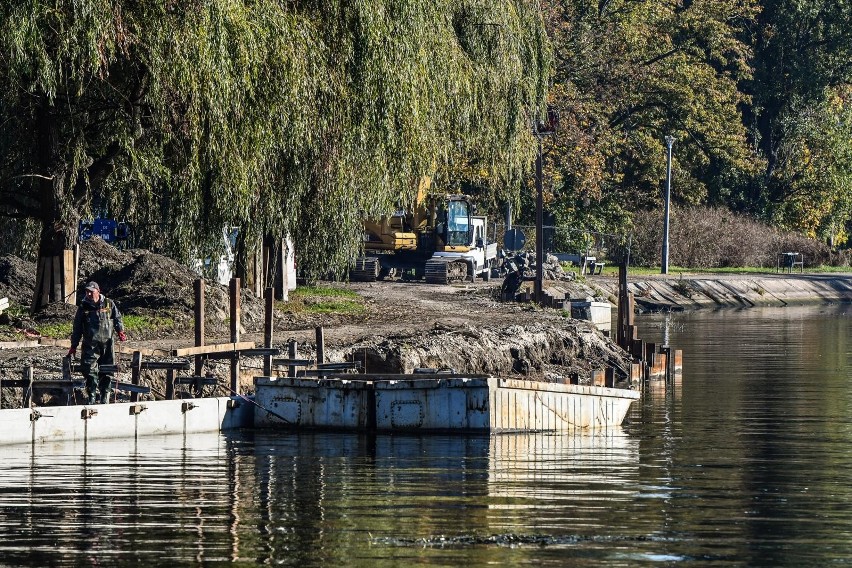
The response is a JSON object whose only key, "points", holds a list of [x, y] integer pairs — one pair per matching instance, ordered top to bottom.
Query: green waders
{"points": [[95, 354]]}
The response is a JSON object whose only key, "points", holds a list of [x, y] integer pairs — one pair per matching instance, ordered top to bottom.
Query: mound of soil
{"points": [[17, 279], [145, 283], [539, 351]]}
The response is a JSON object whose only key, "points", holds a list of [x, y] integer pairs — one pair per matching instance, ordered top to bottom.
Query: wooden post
{"points": [[282, 266], [76, 269], [56, 270], [69, 282], [199, 289], [234, 293], [40, 296], [269, 297], [623, 305], [631, 308], [320, 346], [637, 349], [650, 350], [666, 350], [291, 353], [135, 373], [635, 373], [609, 377], [170, 384], [28, 388]]}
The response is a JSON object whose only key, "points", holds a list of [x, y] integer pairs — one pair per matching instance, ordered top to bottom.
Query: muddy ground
{"points": [[401, 326]]}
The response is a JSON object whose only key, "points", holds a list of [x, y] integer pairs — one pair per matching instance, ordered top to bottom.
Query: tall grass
{"points": [[714, 237]]}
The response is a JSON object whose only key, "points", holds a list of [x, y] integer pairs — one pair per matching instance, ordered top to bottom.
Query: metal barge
{"points": [[437, 403], [422, 404], [125, 420]]}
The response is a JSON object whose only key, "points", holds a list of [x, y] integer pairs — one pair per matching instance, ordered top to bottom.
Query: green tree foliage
{"points": [[803, 68], [628, 74], [277, 117], [814, 164]]}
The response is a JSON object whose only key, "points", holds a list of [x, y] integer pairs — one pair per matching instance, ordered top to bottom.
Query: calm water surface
{"points": [[747, 463]]}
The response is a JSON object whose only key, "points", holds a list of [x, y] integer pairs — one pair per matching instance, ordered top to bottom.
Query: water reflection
{"points": [[759, 436], [746, 463], [264, 497], [74, 502]]}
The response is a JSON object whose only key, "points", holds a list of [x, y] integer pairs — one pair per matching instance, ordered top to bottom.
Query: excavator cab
{"points": [[454, 226]]}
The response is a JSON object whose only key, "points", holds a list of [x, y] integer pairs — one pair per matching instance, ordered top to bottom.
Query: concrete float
{"points": [[431, 403], [125, 420]]}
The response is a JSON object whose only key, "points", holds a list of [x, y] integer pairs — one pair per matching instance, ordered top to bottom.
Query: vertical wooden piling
{"points": [[57, 272], [69, 281], [234, 292], [268, 297], [625, 308], [631, 308], [199, 323], [320, 346], [637, 349], [650, 350], [666, 350], [291, 353], [135, 373], [635, 373], [609, 377], [170, 384], [28, 389]]}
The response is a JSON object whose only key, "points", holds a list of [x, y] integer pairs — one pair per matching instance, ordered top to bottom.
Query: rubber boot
{"points": [[105, 388], [91, 398]]}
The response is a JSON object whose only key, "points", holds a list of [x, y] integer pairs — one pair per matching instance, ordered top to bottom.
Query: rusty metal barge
{"points": [[437, 403]]}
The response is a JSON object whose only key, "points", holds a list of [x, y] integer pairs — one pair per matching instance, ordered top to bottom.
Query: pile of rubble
{"points": [[522, 268]]}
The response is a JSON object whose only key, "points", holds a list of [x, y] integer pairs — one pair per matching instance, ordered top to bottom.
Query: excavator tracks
{"points": [[366, 269], [445, 270]]}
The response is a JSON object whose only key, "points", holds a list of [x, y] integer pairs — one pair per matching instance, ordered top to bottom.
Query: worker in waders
{"points": [[96, 321]]}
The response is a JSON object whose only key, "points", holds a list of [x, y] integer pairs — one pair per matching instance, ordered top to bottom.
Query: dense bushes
{"points": [[714, 237]]}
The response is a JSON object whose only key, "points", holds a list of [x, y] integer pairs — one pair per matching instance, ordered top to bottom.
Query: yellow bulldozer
{"points": [[439, 240]]}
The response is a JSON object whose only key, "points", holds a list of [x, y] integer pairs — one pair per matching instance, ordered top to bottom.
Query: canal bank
{"points": [[698, 291]]}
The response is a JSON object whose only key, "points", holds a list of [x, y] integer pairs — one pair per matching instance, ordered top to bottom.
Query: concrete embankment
{"points": [[686, 292]]}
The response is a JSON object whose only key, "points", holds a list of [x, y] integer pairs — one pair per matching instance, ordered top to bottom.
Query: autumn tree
{"points": [[628, 74], [799, 117]]}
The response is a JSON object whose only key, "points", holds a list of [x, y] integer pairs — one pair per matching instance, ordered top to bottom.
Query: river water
{"points": [[748, 462]]}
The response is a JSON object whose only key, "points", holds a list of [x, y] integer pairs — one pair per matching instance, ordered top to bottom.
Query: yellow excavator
{"points": [[440, 240]]}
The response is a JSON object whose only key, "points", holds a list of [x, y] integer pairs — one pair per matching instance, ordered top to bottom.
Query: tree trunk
{"points": [[55, 274]]}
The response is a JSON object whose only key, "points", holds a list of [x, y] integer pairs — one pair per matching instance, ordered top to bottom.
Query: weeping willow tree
{"points": [[296, 117]]}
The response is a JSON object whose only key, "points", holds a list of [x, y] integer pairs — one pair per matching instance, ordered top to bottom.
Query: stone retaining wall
{"points": [[702, 291]]}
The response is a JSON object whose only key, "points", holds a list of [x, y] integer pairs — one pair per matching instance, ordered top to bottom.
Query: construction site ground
{"points": [[398, 326]]}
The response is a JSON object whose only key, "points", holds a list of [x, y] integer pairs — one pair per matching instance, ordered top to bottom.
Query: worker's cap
{"points": [[93, 286]]}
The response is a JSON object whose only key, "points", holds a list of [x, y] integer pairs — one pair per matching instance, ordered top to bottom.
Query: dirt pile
{"points": [[17, 278], [145, 283], [539, 351]]}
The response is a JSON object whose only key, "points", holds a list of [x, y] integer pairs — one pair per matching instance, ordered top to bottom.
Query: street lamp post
{"points": [[540, 130], [539, 227], [665, 263]]}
